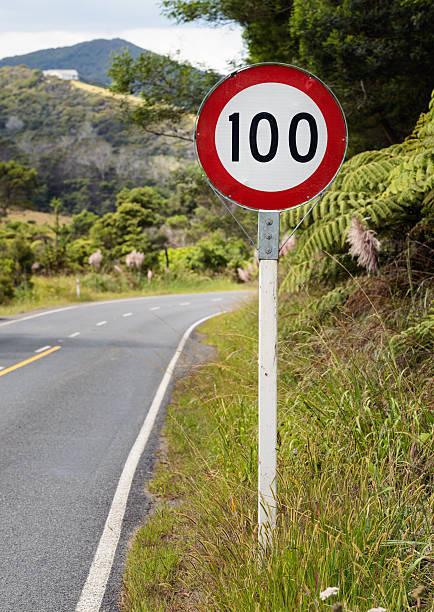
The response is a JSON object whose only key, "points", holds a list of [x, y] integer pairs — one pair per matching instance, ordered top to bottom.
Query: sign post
{"points": [[269, 137], [268, 255]]}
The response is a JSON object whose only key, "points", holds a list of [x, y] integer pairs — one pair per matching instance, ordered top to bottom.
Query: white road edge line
{"points": [[39, 314], [127, 314], [101, 323], [74, 335], [43, 348], [94, 588]]}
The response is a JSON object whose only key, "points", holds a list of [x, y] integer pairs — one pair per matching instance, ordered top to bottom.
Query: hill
{"points": [[91, 59], [72, 135]]}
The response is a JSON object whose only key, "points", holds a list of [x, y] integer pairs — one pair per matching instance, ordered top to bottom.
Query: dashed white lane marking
{"points": [[217, 300], [184, 303], [155, 308], [127, 314], [101, 323], [74, 335], [43, 348], [93, 591]]}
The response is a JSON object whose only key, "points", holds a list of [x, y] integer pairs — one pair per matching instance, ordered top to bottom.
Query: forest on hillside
{"points": [[74, 139]]}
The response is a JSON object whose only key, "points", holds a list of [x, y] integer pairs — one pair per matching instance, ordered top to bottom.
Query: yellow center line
{"points": [[30, 360]]}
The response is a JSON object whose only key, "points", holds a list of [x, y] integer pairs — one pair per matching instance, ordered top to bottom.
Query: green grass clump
{"points": [[355, 436]]}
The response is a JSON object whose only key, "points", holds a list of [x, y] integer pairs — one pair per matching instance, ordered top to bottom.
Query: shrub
{"points": [[6, 289]]}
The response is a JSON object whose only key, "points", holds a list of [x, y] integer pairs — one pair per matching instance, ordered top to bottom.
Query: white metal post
{"points": [[268, 253], [77, 281]]}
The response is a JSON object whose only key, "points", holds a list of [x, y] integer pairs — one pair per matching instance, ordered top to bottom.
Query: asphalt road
{"points": [[67, 423]]}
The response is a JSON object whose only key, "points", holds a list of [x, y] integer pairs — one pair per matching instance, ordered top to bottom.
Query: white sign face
{"points": [[271, 137]]}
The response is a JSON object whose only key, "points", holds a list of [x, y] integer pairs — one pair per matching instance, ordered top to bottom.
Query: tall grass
{"points": [[354, 484]]}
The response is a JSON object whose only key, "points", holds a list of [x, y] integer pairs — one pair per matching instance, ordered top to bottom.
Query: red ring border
{"points": [[255, 199]]}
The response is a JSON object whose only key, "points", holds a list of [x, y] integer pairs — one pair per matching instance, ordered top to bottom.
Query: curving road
{"points": [[75, 386]]}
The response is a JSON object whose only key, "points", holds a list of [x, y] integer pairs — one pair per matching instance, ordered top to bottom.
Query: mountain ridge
{"points": [[91, 59]]}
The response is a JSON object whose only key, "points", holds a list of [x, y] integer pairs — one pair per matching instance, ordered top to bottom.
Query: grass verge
{"points": [[48, 292], [354, 474]]}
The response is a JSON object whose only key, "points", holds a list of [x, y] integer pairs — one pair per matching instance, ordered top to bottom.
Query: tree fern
{"points": [[389, 189]]}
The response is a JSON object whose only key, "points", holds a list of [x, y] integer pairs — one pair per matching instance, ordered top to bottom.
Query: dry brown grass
{"points": [[35, 215]]}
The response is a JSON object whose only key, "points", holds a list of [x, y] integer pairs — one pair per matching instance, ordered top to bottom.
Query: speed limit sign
{"points": [[270, 137]]}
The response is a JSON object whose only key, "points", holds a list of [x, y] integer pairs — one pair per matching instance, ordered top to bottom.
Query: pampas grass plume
{"points": [[363, 244], [135, 258], [95, 259]]}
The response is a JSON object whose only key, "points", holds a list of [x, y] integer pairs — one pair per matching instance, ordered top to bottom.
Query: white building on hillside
{"points": [[66, 75]]}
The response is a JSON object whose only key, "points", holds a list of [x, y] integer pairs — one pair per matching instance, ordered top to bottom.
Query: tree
{"points": [[265, 23], [377, 55], [167, 91], [17, 184], [147, 197], [56, 206], [82, 223], [120, 232]]}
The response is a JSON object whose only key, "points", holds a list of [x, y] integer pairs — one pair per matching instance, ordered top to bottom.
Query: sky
{"points": [[31, 25]]}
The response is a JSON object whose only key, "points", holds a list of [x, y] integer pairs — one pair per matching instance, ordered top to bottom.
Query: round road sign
{"points": [[270, 137]]}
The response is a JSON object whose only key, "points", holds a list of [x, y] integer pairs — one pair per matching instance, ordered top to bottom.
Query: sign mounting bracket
{"points": [[268, 234]]}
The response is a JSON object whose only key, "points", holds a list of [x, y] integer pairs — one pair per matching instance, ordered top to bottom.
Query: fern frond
{"points": [[369, 176], [383, 187], [329, 234], [298, 274], [419, 337]]}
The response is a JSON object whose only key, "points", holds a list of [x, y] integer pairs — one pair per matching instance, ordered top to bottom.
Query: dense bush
{"points": [[212, 254]]}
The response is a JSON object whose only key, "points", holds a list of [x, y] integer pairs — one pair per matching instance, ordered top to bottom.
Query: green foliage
{"points": [[266, 24], [376, 56], [169, 90], [76, 141], [17, 184], [391, 189], [149, 199], [205, 210], [177, 222], [82, 223], [120, 232], [78, 253], [216, 253], [211, 254], [16, 259], [6, 288], [418, 337]]}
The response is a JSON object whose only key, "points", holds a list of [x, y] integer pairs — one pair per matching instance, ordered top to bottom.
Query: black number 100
{"points": [[274, 140]]}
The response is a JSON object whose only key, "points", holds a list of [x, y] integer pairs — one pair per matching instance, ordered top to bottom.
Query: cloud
{"points": [[80, 15], [213, 47]]}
